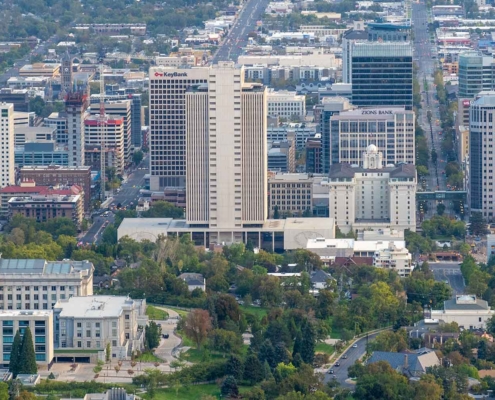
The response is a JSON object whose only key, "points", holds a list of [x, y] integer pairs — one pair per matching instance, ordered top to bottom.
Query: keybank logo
{"points": [[171, 74]]}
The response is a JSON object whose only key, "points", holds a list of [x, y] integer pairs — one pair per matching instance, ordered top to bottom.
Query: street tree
{"points": [[15, 354], [27, 358]]}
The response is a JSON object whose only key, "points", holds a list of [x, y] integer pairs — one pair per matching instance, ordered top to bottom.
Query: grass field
{"points": [[258, 311], [155, 313], [182, 313], [324, 348], [195, 356], [148, 357], [192, 392]]}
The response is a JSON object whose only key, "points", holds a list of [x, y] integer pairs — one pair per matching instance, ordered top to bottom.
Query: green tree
{"points": [[137, 157], [163, 209], [440, 209], [478, 224], [197, 326], [152, 335], [308, 343], [27, 358], [14, 364], [235, 367], [253, 369], [380, 381], [229, 387], [4, 391]]}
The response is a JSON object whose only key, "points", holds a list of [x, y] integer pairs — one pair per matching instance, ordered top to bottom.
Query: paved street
{"points": [[237, 38], [96, 230], [451, 272], [166, 347], [353, 354]]}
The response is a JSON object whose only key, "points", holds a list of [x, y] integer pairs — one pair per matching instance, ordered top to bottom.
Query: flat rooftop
{"points": [[357, 245], [39, 266], [93, 306], [24, 313]]}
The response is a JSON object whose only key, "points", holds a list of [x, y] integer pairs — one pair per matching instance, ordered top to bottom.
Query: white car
{"points": [[354, 346]]}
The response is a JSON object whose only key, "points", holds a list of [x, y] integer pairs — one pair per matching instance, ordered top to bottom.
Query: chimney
{"points": [[406, 362]]}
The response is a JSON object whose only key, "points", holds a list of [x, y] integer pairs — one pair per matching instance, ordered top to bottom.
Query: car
{"points": [[159, 325], [354, 346], [344, 357], [337, 364], [331, 371]]}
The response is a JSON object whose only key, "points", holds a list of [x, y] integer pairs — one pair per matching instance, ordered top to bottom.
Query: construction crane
{"points": [[102, 124]]}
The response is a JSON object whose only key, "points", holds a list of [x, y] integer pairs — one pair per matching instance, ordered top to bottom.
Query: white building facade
{"points": [[286, 104], [390, 129], [7, 172], [372, 196], [396, 258], [467, 310]]}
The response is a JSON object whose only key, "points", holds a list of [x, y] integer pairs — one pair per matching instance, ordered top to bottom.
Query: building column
{"points": [[232, 236], [204, 239], [259, 239], [273, 241]]}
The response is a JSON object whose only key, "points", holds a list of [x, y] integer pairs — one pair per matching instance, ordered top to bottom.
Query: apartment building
{"points": [[76, 104], [59, 122], [391, 130], [111, 134], [226, 155], [7, 172], [54, 175], [290, 194], [372, 196], [49, 206], [37, 284], [39, 322], [90, 323]]}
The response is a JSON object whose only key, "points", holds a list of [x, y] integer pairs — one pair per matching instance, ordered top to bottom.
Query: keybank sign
{"points": [[171, 74], [377, 112]]}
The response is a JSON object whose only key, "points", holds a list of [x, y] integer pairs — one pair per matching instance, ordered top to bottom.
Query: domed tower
{"points": [[372, 158]]}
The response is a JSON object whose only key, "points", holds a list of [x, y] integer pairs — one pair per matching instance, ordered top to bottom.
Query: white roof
{"points": [[357, 245], [93, 306], [27, 313]]}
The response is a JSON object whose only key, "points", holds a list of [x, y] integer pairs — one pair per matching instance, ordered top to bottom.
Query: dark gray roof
{"points": [[356, 35], [347, 171], [320, 276], [192, 279], [478, 305], [407, 362]]}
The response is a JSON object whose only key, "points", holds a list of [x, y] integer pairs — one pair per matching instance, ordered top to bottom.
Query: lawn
{"points": [[258, 311], [156, 313], [182, 313], [335, 333], [324, 348], [195, 356], [148, 357], [192, 392]]}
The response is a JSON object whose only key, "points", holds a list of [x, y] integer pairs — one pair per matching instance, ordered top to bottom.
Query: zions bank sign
{"points": [[377, 112]]}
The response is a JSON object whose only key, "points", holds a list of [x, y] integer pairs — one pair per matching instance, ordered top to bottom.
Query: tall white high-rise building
{"points": [[226, 154], [7, 172]]}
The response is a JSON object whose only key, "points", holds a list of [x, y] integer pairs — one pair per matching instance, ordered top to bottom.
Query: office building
{"points": [[388, 32], [348, 39], [47, 70], [382, 74], [476, 74], [18, 97], [76, 104], [286, 104], [328, 107], [167, 114], [24, 119], [59, 122], [390, 129], [298, 132], [23, 134], [112, 137], [42, 152], [226, 155], [313, 155], [282, 156], [7, 172], [54, 175], [481, 190], [290, 194], [372, 196], [49, 206], [36, 284], [468, 311], [39, 322], [90, 323]]}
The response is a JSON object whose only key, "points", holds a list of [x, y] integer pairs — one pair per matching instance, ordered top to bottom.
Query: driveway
{"points": [[166, 346]]}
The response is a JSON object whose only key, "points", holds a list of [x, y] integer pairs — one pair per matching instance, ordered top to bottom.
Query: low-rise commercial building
{"points": [[40, 70], [286, 104], [23, 134], [42, 152], [282, 156], [54, 175], [290, 194], [45, 207], [37, 284], [39, 322], [87, 324]]}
